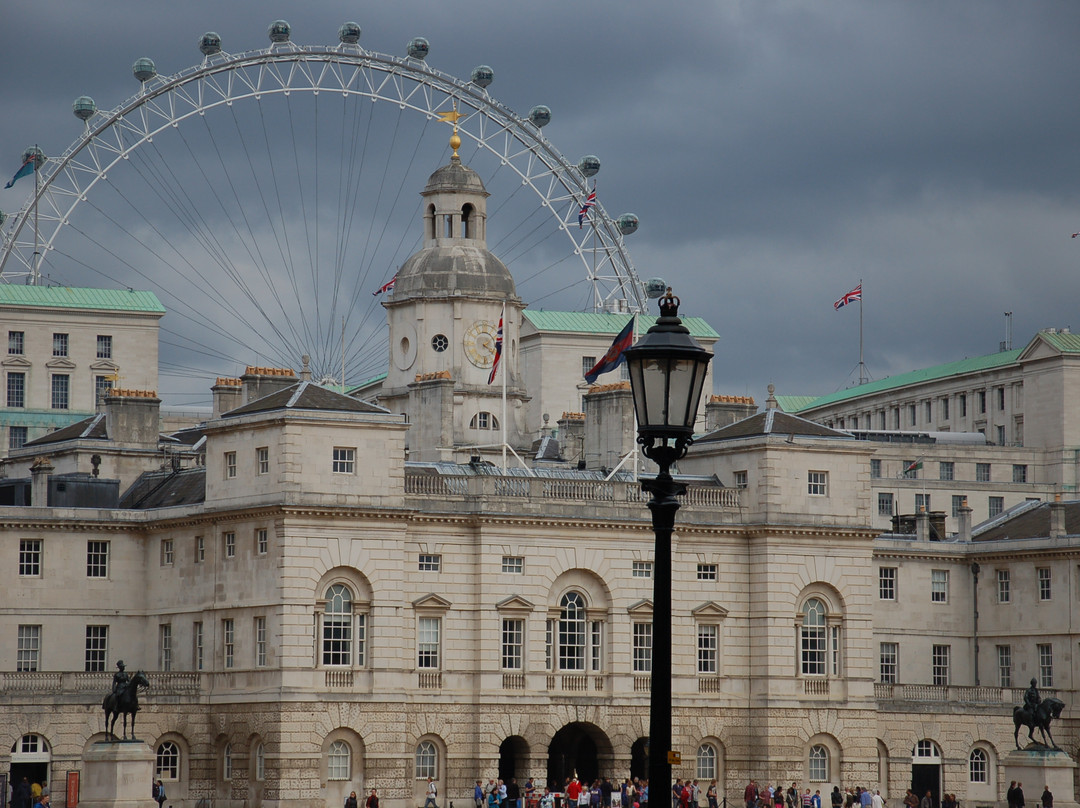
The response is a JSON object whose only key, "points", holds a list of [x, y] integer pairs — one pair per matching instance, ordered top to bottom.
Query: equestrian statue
{"points": [[124, 699], [1037, 713]]}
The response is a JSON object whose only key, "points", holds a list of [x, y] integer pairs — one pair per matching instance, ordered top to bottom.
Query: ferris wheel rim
{"points": [[560, 173]]}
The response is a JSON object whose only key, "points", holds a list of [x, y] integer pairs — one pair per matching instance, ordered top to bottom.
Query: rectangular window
{"points": [[16, 342], [59, 344], [104, 346], [587, 364], [102, 386], [16, 390], [61, 391], [999, 394], [980, 398], [963, 405], [945, 409], [928, 411], [911, 415], [896, 417], [1000, 431], [16, 437], [262, 460], [344, 460], [230, 465], [875, 469], [911, 469], [946, 470], [982, 472], [1019, 473], [740, 480], [817, 483], [958, 502], [922, 503], [884, 504], [995, 506], [229, 540], [262, 540], [200, 549], [166, 552], [30, 558], [97, 559], [429, 563], [513, 565], [641, 569], [707, 572], [887, 583], [1044, 583], [939, 586], [1003, 586], [361, 639], [228, 641], [260, 642], [513, 644], [427, 645], [549, 645], [165, 646], [197, 646], [97, 647], [597, 647], [642, 648], [834, 648], [708, 649], [28, 652], [889, 654], [1004, 664], [1046, 664], [940, 665]]}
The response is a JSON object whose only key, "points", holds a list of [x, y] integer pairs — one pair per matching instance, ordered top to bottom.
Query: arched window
{"points": [[430, 221], [466, 221], [484, 420], [337, 626], [572, 632], [813, 638], [167, 761], [338, 761], [427, 761], [260, 762], [706, 762], [226, 763], [978, 766], [818, 769]]}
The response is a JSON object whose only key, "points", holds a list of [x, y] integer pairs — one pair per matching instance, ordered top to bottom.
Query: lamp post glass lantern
{"points": [[667, 374]]}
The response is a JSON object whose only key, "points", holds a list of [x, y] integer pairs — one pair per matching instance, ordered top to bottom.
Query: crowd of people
{"points": [[25, 794]]}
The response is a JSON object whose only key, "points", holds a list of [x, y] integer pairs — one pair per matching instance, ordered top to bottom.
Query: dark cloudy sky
{"points": [[775, 152]]}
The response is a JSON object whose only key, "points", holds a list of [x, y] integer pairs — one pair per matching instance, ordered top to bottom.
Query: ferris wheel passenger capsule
{"points": [[279, 31], [349, 33], [210, 43], [418, 48], [144, 69], [482, 76], [84, 107], [540, 116], [589, 165], [627, 223], [655, 288]]}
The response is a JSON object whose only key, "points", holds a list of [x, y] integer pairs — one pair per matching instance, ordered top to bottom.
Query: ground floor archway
{"points": [[579, 750], [513, 758], [639, 759]]}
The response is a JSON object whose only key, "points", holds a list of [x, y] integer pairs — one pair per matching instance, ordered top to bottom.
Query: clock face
{"points": [[479, 343]]}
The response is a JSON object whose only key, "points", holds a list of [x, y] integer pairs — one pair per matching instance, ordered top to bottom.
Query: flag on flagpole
{"points": [[29, 167], [590, 202], [1074, 235], [386, 287], [850, 297], [498, 352], [615, 355], [915, 465]]}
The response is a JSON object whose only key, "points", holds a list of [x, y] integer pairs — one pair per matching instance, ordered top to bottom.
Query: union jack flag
{"points": [[590, 202], [386, 287], [850, 297], [498, 353]]}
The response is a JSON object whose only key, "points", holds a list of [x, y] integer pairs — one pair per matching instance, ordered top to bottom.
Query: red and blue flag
{"points": [[590, 202], [386, 287], [850, 297], [498, 353], [615, 355]]}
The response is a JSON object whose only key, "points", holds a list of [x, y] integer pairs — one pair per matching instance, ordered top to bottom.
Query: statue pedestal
{"points": [[1037, 767], [117, 774]]}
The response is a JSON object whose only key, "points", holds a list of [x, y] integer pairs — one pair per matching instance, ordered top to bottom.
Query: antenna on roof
{"points": [[1007, 344]]}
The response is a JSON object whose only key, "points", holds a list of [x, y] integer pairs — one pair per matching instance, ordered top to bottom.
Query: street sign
{"points": [[674, 758]]}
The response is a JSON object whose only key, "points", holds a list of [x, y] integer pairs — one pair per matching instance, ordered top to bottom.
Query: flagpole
{"points": [[35, 272], [502, 319], [343, 354], [862, 365], [635, 449]]}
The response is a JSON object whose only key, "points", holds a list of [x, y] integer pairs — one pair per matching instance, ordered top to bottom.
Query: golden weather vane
{"points": [[452, 117]]}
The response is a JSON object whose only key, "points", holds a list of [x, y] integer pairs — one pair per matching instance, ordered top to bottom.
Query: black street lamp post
{"points": [[667, 373]]}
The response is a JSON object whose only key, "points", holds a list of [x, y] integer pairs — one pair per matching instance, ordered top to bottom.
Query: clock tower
{"points": [[444, 317]]}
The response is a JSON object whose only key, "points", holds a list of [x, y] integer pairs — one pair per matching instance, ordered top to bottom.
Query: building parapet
{"points": [[958, 694]]}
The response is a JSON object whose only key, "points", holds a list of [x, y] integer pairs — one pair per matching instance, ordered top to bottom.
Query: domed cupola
{"points": [[455, 259]]}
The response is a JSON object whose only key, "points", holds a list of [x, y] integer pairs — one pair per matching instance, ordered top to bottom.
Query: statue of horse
{"points": [[125, 703], [1048, 709]]}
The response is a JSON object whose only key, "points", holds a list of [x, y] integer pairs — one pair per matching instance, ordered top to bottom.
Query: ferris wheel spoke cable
{"points": [[303, 209]]}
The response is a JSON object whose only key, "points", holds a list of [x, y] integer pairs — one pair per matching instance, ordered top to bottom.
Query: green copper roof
{"points": [[66, 297], [583, 322], [1064, 342], [958, 368], [794, 403]]}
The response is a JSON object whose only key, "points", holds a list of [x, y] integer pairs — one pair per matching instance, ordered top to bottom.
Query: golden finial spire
{"points": [[452, 117]]}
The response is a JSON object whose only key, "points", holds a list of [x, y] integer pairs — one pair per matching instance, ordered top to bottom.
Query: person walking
{"points": [[432, 793], [710, 795], [1047, 798], [373, 800], [351, 801]]}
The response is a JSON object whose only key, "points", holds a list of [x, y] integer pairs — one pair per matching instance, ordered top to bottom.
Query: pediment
{"points": [[1039, 348], [16, 362], [60, 363], [105, 364], [432, 602], [514, 603], [641, 607], [710, 609]]}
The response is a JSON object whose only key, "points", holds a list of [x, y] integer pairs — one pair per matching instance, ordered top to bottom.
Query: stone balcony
{"points": [[953, 694]]}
